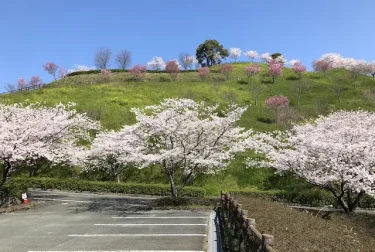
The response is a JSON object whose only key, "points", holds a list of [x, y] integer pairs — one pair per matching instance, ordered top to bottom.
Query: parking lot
{"points": [[85, 222]]}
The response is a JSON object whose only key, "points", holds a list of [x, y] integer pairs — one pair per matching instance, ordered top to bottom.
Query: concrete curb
{"points": [[213, 235]]}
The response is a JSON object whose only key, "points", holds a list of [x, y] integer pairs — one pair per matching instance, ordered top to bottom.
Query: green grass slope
{"points": [[110, 101]]}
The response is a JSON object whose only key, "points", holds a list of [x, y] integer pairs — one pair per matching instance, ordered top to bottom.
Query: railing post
{"points": [[266, 240]]}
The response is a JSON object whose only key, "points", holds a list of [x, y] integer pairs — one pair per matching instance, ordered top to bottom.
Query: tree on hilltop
{"points": [[212, 52]]}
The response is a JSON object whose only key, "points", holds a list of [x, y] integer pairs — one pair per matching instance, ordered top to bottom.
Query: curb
{"points": [[213, 235]]}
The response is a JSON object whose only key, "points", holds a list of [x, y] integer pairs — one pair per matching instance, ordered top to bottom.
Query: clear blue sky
{"points": [[69, 32]]}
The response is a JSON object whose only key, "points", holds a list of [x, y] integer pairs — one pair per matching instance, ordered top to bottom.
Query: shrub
{"points": [[203, 72], [94, 186]]}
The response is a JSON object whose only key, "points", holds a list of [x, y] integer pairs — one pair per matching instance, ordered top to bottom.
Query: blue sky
{"points": [[69, 32]]}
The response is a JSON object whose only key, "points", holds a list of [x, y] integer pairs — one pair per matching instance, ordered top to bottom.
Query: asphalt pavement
{"points": [[101, 223]]}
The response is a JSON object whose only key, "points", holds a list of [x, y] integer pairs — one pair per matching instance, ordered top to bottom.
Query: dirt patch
{"points": [[296, 230]]}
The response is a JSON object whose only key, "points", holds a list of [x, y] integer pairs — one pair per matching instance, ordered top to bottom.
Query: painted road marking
{"points": [[78, 201], [160, 217], [128, 225], [136, 235]]}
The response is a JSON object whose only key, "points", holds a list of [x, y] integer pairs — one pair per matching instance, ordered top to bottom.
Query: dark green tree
{"points": [[211, 52], [275, 55]]}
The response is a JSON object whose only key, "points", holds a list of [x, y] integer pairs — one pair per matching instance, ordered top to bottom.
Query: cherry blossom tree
{"points": [[235, 53], [251, 55], [265, 57], [123, 59], [186, 60], [156, 63], [320, 65], [51, 68], [79, 68], [275, 68], [172, 69], [226, 69], [299, 69], [252, 70], [139, 72], [203, 72], [62, 73], [106, 74], [35, 81], [21, 83], [276, 104], [30, 132], [188, 138], [112, 152], [336, 153]]}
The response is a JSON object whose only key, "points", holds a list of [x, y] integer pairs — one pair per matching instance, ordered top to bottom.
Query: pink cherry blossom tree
{"points": [[321, 65], [51, 68], [275, 68], [173, 69], [226, 69], [299, 69], [252, 70], [139, 72], [203, 72], [62, 73], [106, 74], [35, 81], [21, 83], [277, 103], [30, 132], [188, 138], [335, 153]]}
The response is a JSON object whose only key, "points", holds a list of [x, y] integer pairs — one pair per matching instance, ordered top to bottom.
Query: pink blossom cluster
{"points": [[51, 68], [275, 68], [298, 68], [173, 69], [226, 69], [253, 70], [139, 72], [203, 72], [105, 73], [35, 81], [21, 83], [276, 102]]}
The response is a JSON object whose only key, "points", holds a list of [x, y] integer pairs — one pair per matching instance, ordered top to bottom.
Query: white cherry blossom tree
{"points": [[235, 53], [252, 55], [156, 63], [30, 132], [188, 138], [112, 151], [336, 153]]}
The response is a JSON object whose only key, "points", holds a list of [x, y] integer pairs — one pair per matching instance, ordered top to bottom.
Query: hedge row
{"points": [[127, 70], [21, 184], [310, 197]]}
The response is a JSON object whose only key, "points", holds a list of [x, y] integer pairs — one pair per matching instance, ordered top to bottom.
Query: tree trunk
{"points": [[373, 75], [273, 79], [5, 173], [118, 178], [173, 186], [352, 204]]}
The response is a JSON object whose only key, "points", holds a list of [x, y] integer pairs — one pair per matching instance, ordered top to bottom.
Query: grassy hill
{"points": [[110, 101]]}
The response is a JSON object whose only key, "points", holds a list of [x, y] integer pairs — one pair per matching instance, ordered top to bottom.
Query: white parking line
{"points": [[78, 201], [160, 217], [158, 224], [137, 235], [115, 251]]}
